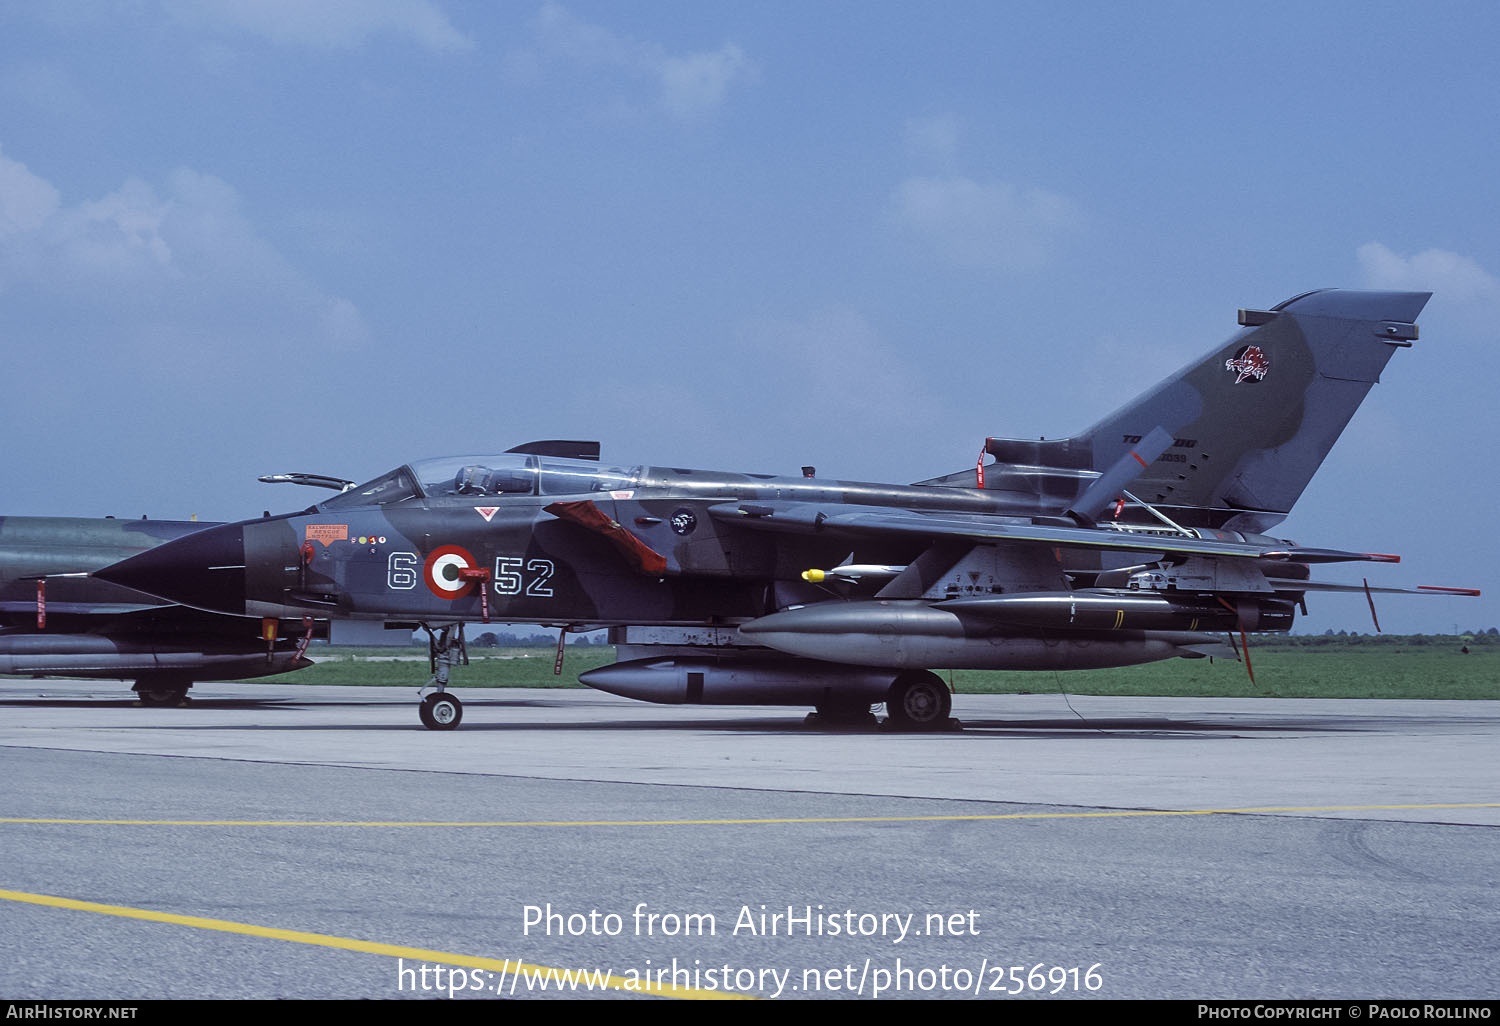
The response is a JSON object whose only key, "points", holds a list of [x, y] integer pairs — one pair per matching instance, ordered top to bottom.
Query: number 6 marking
{"points": [[401, 571]]}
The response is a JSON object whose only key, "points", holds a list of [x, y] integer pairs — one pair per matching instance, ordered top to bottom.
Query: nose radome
{"points": [[205, 570]]}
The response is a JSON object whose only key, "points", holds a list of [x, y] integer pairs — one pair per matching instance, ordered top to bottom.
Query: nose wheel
{"points": [[441, 711]]}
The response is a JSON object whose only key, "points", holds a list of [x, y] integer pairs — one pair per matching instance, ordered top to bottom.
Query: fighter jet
{"points": [[1142, 538], [56, 620]]}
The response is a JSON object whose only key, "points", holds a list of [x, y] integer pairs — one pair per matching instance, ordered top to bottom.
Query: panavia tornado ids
{"points": [[1140, 539], [56, 620]]}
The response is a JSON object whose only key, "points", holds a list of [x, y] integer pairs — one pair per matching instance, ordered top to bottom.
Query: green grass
{"points": [[1385, 667], [1427, 672]]}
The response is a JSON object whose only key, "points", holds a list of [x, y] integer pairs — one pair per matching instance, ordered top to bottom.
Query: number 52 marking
{"points": [[514, 575], [510, 579]]}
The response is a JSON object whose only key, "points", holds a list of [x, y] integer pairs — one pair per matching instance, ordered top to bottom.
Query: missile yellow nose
{"points": [[813, 576]]}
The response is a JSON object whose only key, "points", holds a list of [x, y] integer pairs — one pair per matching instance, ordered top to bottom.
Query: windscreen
{"points": [[488, 475], [394, 486]]}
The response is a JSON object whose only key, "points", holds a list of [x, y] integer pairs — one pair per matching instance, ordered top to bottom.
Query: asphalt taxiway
{"points": [[284, 840]]}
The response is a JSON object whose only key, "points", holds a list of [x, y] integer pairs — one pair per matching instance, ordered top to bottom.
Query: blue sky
{"points": [[240, 237]]}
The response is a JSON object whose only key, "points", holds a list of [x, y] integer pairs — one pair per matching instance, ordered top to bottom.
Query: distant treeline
{"points": [[490, 639], [1346, 639]]}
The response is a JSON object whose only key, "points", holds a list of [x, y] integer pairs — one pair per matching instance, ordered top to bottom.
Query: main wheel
{"points": [[161, 692], [919, 701], [441, 711], [844, 713]]}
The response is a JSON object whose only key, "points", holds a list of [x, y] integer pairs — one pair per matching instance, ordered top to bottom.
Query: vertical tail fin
{"points": [[1251, 421]]}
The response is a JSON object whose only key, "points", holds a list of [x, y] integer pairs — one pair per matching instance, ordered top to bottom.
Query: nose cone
{"points": [[205, 570]]}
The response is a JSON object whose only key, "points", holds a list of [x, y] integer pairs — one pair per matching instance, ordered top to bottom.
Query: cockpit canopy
{"points": [[486, 476]]}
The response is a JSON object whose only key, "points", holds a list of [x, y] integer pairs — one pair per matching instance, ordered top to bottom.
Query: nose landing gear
{"points": [[440, 710]]}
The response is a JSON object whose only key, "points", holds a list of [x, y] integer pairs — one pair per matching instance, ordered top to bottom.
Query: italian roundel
{"points": [[443, 572]]}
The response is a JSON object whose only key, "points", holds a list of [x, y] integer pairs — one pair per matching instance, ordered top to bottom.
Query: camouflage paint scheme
{"points": [[1130, 542], [95, 629]]}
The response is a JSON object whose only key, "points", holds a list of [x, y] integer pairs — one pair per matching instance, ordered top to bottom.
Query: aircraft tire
{"points": [[161, 694], [918, 701], [441, 711], [844, 713]]}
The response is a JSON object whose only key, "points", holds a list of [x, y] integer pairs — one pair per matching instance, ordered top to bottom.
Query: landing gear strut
{"points": [[918, 701], [440, 710]]}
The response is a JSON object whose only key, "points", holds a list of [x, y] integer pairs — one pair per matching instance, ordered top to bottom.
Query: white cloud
{"points": [[330, 24], [563, 35], [697, 83], [685, 85], [933, 139], [26, 201], [994, 226], [115, 237], [183, 261], [1448, 274], [836, 357], [822, 387]]}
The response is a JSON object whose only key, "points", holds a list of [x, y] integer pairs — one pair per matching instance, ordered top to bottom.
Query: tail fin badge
{"points": [[1250, 364]]}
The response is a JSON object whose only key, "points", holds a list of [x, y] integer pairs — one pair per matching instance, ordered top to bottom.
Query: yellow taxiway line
{"points": [[1116, 813], [509, 969]]}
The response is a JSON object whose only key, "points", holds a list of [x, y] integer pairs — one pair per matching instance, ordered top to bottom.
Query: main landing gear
{"points": [[162, 690], [918, 702], [440, 710], [842, 714]]}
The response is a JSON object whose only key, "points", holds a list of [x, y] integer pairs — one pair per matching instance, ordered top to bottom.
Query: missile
{"points": [[852, 572]]}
